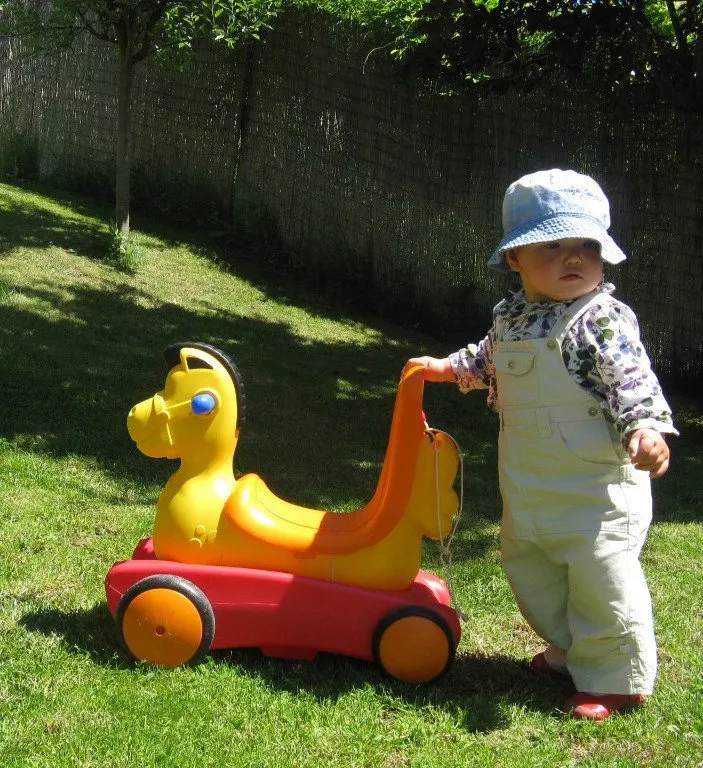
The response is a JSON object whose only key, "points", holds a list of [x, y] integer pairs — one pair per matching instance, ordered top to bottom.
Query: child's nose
{"points": [[574, 254]]}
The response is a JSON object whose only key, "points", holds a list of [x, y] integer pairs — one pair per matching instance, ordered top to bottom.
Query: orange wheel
{"points": [[166, 621], [413, 645]]}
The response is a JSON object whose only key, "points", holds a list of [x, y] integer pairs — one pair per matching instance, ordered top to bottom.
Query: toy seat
{"points": [[253, 508]]}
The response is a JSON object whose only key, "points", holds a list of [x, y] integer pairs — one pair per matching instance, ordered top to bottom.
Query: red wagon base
{"points": [[170, 613]]}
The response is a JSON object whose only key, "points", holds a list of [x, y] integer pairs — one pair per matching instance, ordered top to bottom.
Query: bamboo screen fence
{"points": [[364, 173]]}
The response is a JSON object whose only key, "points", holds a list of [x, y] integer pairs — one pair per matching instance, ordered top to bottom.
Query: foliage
{"points": [[382, 15], [230, 23], [150, 26], [509, 43], [124, 254]]}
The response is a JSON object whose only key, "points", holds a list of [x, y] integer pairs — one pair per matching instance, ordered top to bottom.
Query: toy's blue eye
{"points": [[203, 404]]}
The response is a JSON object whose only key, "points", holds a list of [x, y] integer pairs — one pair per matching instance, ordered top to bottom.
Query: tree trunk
{"points": [[123, 157]]}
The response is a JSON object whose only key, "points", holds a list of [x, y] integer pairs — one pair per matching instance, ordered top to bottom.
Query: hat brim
{"points": [[558, 228]]}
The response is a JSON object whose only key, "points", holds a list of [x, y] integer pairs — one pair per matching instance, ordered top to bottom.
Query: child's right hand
{"points": [[436, 369], [648, 451]]}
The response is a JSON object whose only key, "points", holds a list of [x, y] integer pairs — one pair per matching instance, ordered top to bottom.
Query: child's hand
{"points": [[435, 369], [648, 451]]}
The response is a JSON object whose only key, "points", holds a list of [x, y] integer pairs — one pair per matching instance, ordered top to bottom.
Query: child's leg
{"points": [[540, 587], [593, 602], [610, 615], [555, 657]]}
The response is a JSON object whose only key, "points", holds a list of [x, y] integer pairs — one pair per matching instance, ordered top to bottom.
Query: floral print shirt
{"points": [[602, 351]]}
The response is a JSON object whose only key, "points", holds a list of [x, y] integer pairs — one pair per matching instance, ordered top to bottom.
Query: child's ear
{"points": [[511, 259]]}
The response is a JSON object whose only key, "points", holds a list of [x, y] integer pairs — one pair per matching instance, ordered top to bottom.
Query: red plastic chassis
{"points": [[411, 634]]}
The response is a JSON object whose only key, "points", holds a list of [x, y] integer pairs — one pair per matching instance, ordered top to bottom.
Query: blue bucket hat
{"points": [[555, 205]]}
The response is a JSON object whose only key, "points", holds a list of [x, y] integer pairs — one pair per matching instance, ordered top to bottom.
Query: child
{"points": [[582, 419]]}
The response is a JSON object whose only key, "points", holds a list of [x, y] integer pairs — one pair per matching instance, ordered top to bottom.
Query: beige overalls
{"points": [[575, 517]]}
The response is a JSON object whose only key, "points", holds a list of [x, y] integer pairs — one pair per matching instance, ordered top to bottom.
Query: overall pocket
{"points": [[515, 387], [589, 441]]}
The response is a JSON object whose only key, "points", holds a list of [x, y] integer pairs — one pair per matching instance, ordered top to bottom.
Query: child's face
{"points": [[561, 270]]}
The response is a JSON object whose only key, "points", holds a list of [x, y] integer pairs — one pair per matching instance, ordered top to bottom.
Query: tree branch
{"points": [[88, 25], [676, 25], [146, 46]]}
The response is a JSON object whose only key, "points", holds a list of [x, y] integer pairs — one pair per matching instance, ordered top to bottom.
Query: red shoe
{"points": [[540, 665], [600, 706]]}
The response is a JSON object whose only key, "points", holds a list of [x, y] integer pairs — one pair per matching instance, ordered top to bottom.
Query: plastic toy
{"points": [[232, 565]]}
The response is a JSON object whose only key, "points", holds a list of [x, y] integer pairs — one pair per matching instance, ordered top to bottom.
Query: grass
{"points": [[80, 343]]}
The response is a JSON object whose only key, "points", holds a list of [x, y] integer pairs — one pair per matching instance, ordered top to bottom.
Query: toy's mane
{"points": [[172, 353]]}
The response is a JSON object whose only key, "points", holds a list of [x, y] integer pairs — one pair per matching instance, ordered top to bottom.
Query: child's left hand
{"points": [[649, 452]]}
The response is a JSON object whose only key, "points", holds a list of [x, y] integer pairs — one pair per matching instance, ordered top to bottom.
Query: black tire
{"points": [[180, 626], [427, 656]]}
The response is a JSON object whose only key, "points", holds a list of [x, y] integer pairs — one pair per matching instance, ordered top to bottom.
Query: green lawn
{"points": [[80, 343]]}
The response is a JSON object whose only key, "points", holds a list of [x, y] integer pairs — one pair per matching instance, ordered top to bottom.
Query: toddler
{"points": [[582, 424]]}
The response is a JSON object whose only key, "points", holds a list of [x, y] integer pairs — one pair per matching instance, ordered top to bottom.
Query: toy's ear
{"points": [[195, 362], [203, 404]]}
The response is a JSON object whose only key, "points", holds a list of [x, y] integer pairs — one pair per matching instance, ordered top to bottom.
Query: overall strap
{"points": [[578, 308], [499, 320]]}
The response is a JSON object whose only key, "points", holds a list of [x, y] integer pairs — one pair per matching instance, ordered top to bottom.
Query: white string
{"points": [[445, 554]]}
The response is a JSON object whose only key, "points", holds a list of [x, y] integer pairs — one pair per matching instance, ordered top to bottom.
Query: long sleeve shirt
{"points": [[602, 351]]}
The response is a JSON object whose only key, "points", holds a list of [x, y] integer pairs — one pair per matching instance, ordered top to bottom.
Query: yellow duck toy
{"points": [[206, 516]]}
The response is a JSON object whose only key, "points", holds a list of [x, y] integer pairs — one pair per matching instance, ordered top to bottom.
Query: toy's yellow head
{"points": [[198, 412]]}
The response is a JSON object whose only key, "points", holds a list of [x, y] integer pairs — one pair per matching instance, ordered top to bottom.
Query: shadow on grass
{"points": [[30, 224], [68, 386], [678, 496], [90, 631], [476, 690]]}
